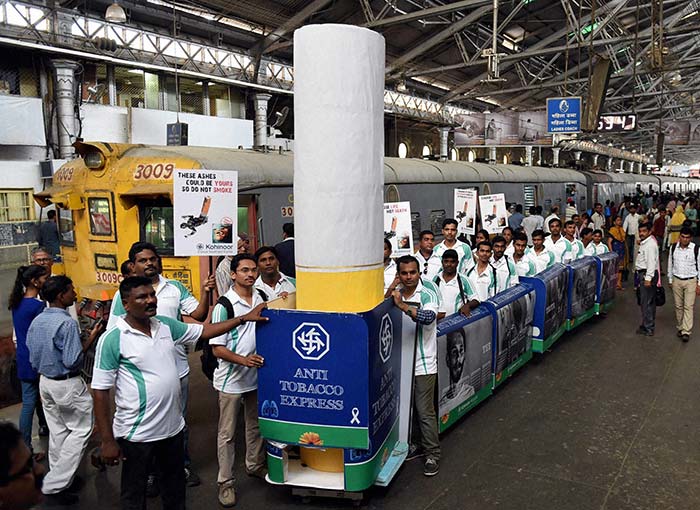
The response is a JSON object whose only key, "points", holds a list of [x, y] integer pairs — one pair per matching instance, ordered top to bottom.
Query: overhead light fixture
{"points": [[115, 13]]}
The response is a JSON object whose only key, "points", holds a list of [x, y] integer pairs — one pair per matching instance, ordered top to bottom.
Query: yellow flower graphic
{"points": [[311, 438]]}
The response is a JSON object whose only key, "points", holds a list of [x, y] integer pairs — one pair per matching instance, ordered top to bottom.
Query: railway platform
{"points": [[607, 420]]}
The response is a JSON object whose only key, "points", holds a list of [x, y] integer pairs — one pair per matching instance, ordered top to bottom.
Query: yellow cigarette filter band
{"points": [[345, 291]]}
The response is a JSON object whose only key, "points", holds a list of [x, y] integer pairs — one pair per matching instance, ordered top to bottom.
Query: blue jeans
{"points": [[30, 399]]}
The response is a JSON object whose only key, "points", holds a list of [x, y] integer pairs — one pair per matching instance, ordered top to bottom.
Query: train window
{"points": [[403, 150], [529, 196], [100, 216], [156, 225], [66, 226]]}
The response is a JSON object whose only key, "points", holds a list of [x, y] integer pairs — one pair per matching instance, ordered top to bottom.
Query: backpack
{"points": [[209, 361]]}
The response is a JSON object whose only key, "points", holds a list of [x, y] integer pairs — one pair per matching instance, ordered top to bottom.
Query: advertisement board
{"points": [[501, 129], [465, 202], [205, 205], [494, 217], [398, 228], [583, 280], [607, 281], [551, 305], [512, 348], [464, 364]]}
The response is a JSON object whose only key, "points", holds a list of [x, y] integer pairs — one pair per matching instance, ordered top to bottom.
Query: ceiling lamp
{"points": [[115, 13]]}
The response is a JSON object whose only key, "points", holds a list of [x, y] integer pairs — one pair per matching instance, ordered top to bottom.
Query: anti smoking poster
{"points": [[205, 205], [465, 210], [493, 212], [397, 228]]}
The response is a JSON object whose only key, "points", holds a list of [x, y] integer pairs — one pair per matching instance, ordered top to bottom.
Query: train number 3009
{"points": [[157, 171], [107, 277]]}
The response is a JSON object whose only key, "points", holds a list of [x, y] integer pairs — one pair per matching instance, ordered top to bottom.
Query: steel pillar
{"points": [[65, 100], [260, 102]]}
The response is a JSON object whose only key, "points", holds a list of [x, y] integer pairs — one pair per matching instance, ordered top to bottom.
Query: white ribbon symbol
{"points": [[355, 416]]}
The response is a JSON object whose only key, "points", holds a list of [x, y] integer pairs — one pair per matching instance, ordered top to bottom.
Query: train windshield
{"points": [[156, 224], [66, 226]]}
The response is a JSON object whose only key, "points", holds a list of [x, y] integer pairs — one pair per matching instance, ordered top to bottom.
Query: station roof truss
{"points": [[436, 62]]}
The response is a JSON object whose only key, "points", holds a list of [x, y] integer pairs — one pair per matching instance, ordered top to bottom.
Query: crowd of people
{"points": [[456, 274], [139, 391]]}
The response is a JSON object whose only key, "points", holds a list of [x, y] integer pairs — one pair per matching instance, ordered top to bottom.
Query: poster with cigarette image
{"points": [[205, 207], [465, 210], [494, 217], [397, 228]]}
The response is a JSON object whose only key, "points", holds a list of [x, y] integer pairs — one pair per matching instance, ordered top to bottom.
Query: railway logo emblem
{"points": [[563, 106], [386, 338], [311, 341]]}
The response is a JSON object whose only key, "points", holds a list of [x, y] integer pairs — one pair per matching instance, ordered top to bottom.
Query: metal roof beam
{"points": [[426, 13], [292, 23], [437, 38]]}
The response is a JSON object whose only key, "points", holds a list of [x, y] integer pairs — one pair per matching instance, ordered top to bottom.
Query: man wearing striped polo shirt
{"points": [[450, 242], [174, 301], [420, 301], [138, 358]]}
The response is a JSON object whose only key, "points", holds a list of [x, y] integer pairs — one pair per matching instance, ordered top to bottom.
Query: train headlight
{"points": [[94, 160]]}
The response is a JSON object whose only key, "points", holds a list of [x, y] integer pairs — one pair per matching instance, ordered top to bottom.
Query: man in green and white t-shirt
{"points": [[450, 242], [557, 243], [577, 247], [524, 264], [455, 290], [174, 301], [420, 301], [137, 357], [236, 377]]}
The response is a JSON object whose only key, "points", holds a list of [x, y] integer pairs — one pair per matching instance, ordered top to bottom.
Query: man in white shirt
{"points": [[554, 214], [598, 217], [531, 223], [631, 228], [507, 234], [450, 242], [557, 243], [576, 244], [596, 246], [539, 253], [428, 262], [683, 263], [524, 264], [647, 274], [506, 275], [482, 276], [391, 278], [272, 282], [455, 290], [174, 301], [420, 301], [138, 358], [236, 376]]}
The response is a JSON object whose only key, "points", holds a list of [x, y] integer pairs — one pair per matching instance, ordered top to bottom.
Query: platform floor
{"points": [[606, 420]]}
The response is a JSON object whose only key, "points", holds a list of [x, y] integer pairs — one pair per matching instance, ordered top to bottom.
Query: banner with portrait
{"points": [[465, 201], [494, 216], [398, 229], [464, 364]]}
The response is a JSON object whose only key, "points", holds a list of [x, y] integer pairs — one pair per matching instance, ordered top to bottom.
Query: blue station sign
{"points": [[564, 115]]}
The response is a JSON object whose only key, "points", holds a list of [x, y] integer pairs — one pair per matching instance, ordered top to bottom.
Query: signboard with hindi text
{"points": [[564, 115]]}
